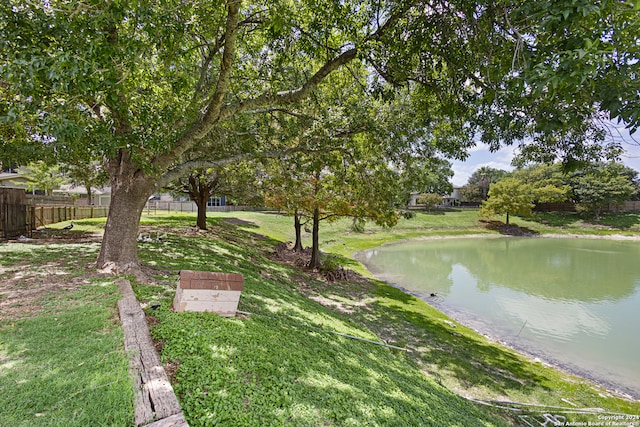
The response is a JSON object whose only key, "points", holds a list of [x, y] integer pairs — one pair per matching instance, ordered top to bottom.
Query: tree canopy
{"points": [[138, 84], [601, 186], [477, 187], [508, 196]]}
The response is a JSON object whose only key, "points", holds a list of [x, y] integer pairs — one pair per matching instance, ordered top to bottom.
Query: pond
{"points": [[572, 302]]}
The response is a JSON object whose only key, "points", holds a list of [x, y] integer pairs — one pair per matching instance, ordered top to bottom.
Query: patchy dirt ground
{"points": [[50, 261], [25, 284], [354, 288]]}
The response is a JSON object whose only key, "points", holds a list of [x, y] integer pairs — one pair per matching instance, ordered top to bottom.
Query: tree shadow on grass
{"points": [[555, 219], [619, 221], [240, 222], [509, 230], [454, 356], [258, 369]]}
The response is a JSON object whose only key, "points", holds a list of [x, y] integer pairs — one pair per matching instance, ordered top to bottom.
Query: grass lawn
{"points": [[295, 308], [61, 358]]}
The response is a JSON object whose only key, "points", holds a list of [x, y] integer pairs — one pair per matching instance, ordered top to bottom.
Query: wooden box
{"points": [[208, 291]]}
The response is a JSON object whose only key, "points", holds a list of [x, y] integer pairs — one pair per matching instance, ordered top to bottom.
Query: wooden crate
{"points": [[208, 291]]}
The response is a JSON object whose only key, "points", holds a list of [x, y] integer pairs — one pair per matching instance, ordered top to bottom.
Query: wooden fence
{"points": [[632, 206], [13, 212], [21, 213], [40, 216]]}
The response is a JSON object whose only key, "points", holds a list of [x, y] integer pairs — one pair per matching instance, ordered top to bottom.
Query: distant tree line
{"points": [[591, 189]]}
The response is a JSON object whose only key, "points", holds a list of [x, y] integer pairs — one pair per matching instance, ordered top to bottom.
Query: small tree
{"points": [[89, 175], [42, 176], [201, 184], [477, 187], [599, 187], [508, 196], [429, 200]]}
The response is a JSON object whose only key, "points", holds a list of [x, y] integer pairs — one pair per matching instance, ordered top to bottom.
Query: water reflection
{"points": [[576, 269], [577, 300], [548, 318]]}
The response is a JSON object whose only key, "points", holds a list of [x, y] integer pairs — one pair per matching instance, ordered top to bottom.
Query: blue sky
{"points": [[481, 156]]}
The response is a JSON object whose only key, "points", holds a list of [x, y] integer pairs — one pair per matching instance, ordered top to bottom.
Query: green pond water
{"points": [[571, 302]]}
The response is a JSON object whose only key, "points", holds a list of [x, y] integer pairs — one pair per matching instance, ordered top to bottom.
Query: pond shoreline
{"points": [[479, 326], [532, 355]]}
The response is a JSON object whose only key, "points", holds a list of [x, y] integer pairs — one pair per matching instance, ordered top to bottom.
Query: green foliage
{"points": [[142, 83], [89, 174], [425, 175], [42, 176], [477, 187], [593, 187], [599, 187], [550, 194], [508, 196], [429, 200], [408, 214], [358, 225]]}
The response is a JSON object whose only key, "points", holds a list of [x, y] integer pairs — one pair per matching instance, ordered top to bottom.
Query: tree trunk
{"points": [[130, 190], [200, 191], [89, 195], [201, 203], [507, 218], [201, 222], [297, 247], [315, 247]]}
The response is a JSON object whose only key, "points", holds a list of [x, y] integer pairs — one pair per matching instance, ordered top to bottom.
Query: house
{"points": [[12, 180], [100, 197], [452, 199], [448, 200]]}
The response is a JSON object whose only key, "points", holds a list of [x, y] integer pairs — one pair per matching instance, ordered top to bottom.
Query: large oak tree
{"points": [[149, 81]]}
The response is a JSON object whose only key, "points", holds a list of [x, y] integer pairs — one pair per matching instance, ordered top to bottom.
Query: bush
{"points": [[408, 214]]}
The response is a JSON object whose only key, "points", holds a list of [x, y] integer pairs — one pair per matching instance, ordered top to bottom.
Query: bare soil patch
{"points": [[46, 236], [25, 285], [354, 290]]}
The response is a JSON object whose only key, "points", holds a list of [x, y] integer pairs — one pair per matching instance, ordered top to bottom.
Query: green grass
{"points": [[283, 365], [66, 366], [280, 366]]}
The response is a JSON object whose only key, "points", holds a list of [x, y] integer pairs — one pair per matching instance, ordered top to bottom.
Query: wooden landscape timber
{"points": [[156, 404]]}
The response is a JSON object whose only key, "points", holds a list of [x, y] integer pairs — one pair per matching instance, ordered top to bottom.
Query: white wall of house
{"points": [[447, 200]]}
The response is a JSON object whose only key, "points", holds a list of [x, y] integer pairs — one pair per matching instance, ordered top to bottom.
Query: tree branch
{"points": [[290, 96], [214, 105], [282, 110], [216, 111], [186, 168]]}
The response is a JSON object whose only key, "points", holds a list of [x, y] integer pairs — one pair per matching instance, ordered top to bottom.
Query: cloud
{"points": [[480, 156]]}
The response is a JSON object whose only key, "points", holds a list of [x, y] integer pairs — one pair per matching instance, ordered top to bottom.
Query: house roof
{"points": [[12, 180], [74, 189]]}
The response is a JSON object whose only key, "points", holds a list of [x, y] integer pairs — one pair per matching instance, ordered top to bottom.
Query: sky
{"points": [[481, 156]]}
